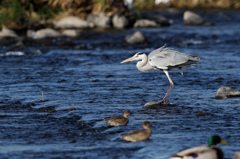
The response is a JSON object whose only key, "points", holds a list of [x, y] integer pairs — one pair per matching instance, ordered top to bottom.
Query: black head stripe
{"points": [[139, 53]]}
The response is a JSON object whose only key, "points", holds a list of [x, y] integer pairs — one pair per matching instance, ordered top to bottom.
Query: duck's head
{"points": [[126, 114], [146, 124], [214, 140]]}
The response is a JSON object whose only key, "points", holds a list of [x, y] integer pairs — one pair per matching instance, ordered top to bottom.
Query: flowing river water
{"points": [[54, 92]]}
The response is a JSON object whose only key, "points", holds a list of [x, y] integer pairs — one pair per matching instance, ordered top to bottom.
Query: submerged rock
{"points": [[191, 18], [99, 20], [120, 21], [72, 22], [145, 23], [43, 33], [135, 38], [226, 92], [236, 155]]}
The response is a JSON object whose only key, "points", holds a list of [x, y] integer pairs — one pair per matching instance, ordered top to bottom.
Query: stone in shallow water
{"points": [[191, 18], [99, 20], [160, 20], [120, 21], [72, 22], [145, 23], [71, 32], [7, 33], [43, 33], [135, 38], [226, 92]]}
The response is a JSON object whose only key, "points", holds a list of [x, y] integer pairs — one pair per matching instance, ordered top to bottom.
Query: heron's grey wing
{"points": [[167, 58]]}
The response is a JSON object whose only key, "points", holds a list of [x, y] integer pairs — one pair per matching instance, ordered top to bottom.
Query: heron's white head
{"points": [[138, 56]]}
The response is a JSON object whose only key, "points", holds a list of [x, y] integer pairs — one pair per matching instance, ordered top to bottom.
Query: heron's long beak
{"points": [[127, 60], [223, 142]]}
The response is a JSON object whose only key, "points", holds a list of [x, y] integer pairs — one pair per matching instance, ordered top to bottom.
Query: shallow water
{"points": [[42, 82]]}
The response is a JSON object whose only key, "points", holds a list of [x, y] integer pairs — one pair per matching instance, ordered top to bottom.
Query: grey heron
{"points": [[163, 59]]}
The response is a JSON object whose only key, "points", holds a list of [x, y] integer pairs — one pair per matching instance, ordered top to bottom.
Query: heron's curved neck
{"points": [[143, 65]]}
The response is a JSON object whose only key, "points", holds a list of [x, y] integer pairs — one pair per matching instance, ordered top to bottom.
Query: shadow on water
{"points": [[85, 82]]}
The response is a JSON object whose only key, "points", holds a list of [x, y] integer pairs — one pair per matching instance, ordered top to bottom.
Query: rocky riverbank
{"points": [[25, 14], [73, 26], [54, 91]]}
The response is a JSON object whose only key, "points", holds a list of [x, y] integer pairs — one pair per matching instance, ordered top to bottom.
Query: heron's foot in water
{"points": [[153, 104]]}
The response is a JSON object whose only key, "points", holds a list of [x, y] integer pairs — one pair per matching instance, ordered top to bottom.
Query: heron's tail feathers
{"points": [[194, 58]]}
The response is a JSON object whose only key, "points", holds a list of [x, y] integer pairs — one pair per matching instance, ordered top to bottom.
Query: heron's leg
{"points": [[169, 90], [163, 102]]}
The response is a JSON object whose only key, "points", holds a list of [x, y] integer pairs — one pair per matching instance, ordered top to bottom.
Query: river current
{"points": [[54, 92]]}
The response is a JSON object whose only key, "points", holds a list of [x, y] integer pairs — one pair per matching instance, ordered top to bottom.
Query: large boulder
{"points": [[191, 18], [99, 20], [120, 21], [72, 22], [145, 23], [8, 33], [43, 33], [135, 38], [226, 92]]}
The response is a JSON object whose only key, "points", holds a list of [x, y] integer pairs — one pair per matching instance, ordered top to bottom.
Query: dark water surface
{"points": [[85, 82]]}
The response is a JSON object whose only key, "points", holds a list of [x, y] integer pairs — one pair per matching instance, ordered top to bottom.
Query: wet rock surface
{"points": [[191, 18], [99, 20], [160, 20], [120, 21], [72, 22], [145, 23], [71, 32], [7, 33], [43, 33], [135, 38], [83, 81], [226, 92]]}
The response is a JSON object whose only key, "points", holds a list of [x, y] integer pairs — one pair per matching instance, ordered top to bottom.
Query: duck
{"points": [[118, 120], [139, 135], [203, 152]]}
